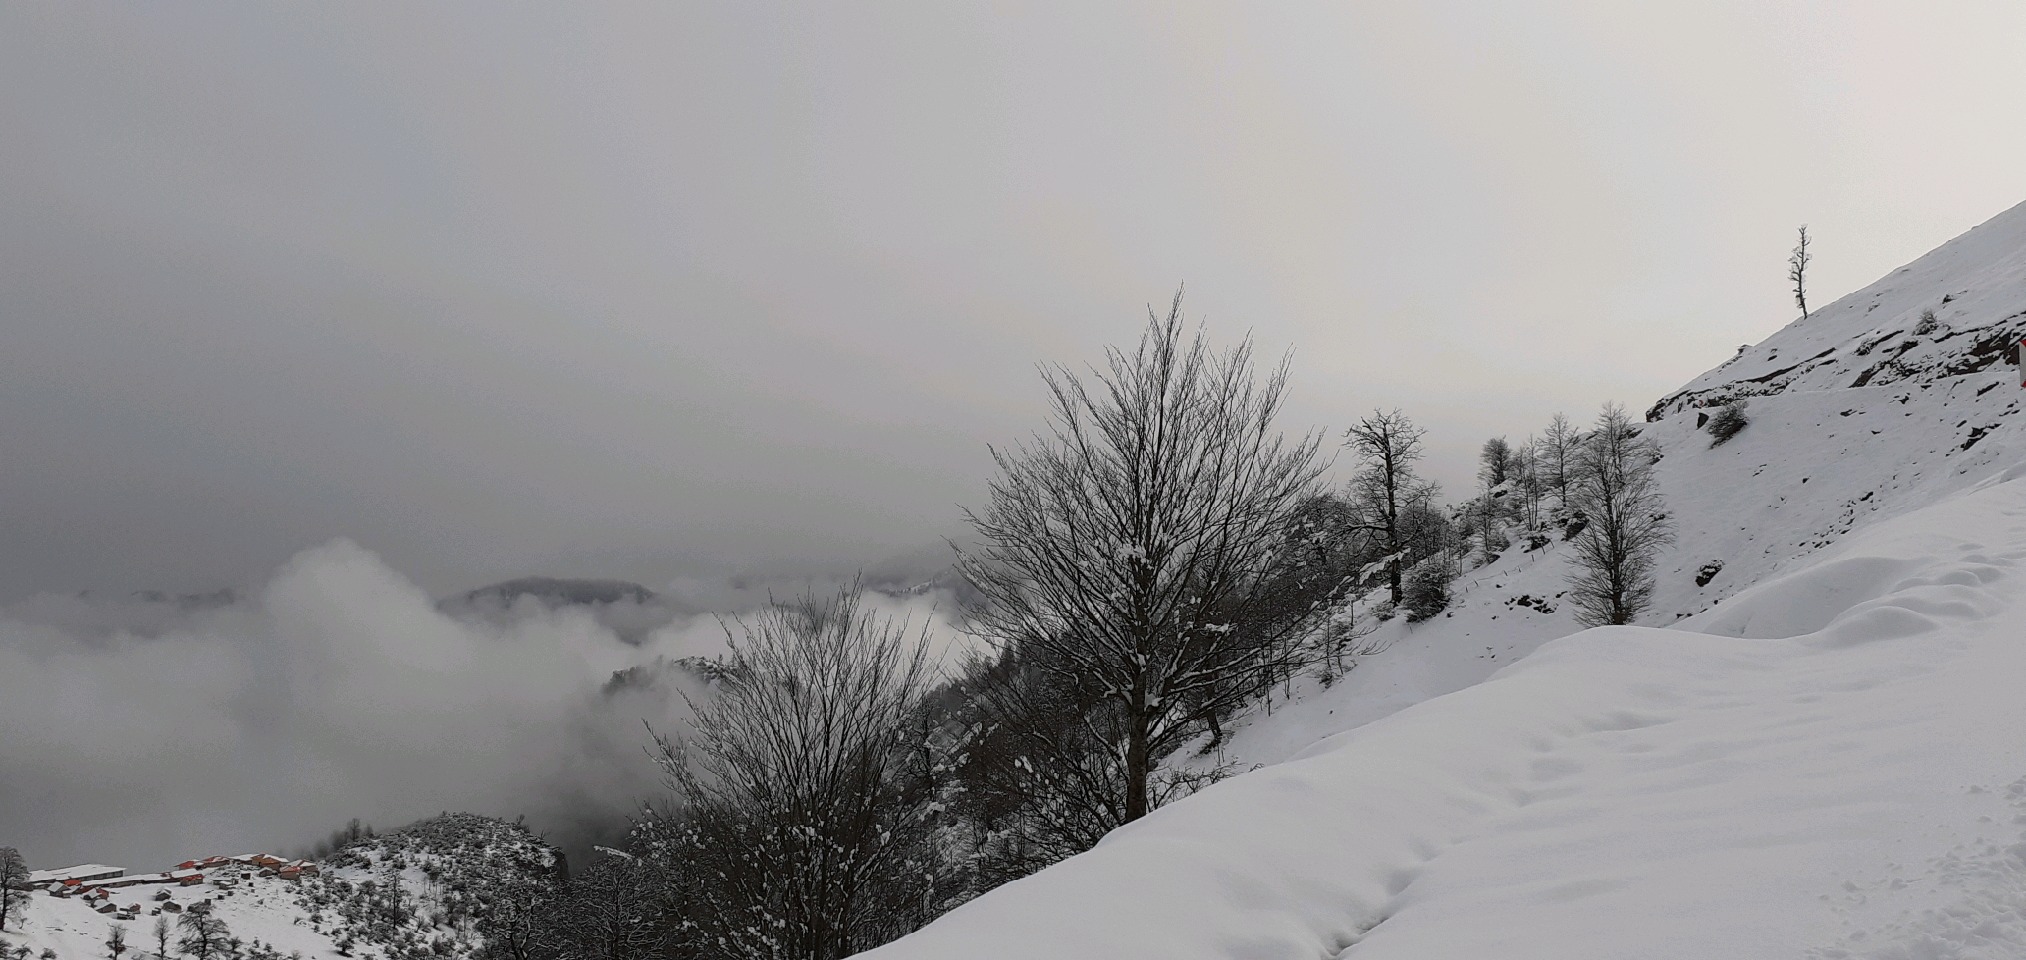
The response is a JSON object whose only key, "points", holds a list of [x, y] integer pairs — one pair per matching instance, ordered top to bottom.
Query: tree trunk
{"points": [[1137, 763]]}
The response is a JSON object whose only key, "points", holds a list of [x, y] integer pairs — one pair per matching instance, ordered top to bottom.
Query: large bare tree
{"points": [[1557, 452], [1385, 488], [1625, 523], [1123, 549], [204, 936]]}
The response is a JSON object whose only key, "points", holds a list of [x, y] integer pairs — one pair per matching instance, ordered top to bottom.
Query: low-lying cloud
{"points": [[146, 731]]}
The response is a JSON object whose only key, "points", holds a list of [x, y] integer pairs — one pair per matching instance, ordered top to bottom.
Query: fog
{"points": [[655, 290], [143, 732]]}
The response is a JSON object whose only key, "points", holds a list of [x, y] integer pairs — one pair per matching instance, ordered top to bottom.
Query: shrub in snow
{"points": [[1927, 323], [1727, 422], [1495, 543], [1426, 590]]}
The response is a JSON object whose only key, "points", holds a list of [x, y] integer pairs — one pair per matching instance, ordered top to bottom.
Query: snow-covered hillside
{"points": [[1952, 312], [1804, 754], [420, 891], [257, 910]]}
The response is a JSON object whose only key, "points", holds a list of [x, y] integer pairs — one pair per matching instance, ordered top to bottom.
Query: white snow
{"points": [[93, 870]]}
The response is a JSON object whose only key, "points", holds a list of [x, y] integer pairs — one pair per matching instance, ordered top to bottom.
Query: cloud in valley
{"points": [[339, 690]]}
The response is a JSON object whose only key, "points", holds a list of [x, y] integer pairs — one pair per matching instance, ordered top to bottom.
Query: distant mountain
{"points": [[556, 592], [208, 600], [629, 610]]}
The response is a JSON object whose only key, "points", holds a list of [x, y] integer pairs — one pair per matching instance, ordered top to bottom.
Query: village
{"points": [[102, 886]]}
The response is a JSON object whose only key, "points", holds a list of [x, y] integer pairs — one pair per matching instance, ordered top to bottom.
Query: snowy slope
{"points": [[1975, 286], [1812, 467], [1800, 766], [1622, 792], [445, 868], [254, 908]]}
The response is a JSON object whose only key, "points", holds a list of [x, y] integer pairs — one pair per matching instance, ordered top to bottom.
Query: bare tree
{"points": [[1797, 271], [1387, 445], [1557, 452], [1527, 480], [1625, 524], [1326, 541], [1124, 548], [1039, 779], [799, 814], [13, 875], [614, 910], [518, 914], [161, 930], [204, 936], [116, 941]]}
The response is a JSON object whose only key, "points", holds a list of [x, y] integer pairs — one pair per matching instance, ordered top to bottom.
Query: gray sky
{"points": [[637, 290]]}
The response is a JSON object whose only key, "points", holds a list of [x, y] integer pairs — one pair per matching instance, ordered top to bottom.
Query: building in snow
{"points": [[81, 872]]}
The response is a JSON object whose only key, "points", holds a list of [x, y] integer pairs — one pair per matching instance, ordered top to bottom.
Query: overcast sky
{"points": [[662, 288]]}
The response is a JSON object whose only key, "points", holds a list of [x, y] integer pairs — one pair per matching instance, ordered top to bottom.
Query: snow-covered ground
{"points": [[1811, 754], [1841, 780], [445, 867], [254, 908]]}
